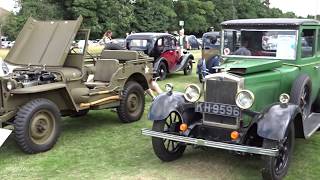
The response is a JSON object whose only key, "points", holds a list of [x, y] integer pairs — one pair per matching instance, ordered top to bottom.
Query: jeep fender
{"points": [[164, 104], [273, 123]]}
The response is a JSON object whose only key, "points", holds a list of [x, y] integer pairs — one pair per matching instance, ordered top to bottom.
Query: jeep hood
{"points": [[43, 42], [250, 66]]}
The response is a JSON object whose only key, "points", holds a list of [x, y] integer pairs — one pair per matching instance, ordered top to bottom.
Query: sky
{"points": [[7, 4], [300, 7]]}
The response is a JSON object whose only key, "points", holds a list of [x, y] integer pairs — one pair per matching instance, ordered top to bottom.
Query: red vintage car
{"points": [[168, 58]]}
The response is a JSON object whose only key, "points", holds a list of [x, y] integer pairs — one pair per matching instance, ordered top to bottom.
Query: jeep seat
{"points": [[105, 68]]}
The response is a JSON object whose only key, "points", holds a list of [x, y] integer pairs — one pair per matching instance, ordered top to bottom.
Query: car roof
{"points": [[271, 21], [212, 33], [147, 35]]}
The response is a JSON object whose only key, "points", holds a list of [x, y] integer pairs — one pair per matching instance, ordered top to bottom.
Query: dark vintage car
{"points": [[191, 42], [163, 47], [210, 52], [265, 95]]}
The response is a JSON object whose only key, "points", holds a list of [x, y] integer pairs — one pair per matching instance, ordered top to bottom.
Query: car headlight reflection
{"points": [[192, 93], [244, 99]]}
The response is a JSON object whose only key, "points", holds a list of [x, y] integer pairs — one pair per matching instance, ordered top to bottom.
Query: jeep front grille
{"points": [[220, 90]]}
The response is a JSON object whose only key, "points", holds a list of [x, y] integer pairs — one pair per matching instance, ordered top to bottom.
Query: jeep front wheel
{"points": [[132, 103], [37, 126], [168, 150], [275, 168]]}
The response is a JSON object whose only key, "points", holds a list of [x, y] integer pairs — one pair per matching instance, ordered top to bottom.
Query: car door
{"points": [[169, 52], [309, 57]]}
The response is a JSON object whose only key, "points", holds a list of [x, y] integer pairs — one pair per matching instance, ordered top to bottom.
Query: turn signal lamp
{"points": [[183, 127], [234, 135]]}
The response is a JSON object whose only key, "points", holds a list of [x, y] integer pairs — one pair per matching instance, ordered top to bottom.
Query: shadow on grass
{"points": [[78, 125]]}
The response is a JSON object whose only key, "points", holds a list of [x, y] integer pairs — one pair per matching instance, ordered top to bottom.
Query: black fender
{"points": [[183, 61], [157, 63], [164, 104], [274, 121]]}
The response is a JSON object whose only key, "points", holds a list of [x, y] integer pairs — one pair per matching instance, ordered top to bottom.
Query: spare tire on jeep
{"points": [[113, 46]]}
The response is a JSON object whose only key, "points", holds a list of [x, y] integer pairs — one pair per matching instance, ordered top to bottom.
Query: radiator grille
{"points": [[220, 91]]}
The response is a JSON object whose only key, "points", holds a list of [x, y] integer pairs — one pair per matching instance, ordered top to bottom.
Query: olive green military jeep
{"points": [[51, 81], [265, 95]]}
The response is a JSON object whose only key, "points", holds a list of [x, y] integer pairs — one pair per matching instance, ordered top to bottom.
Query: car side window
{"points": [[160, 42], [308, 43]]}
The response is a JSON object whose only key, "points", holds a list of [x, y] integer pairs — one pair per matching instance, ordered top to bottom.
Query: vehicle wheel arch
{"points": [[159, 60], [139, 78], [61, 97], [274, 121], [298, 126]]}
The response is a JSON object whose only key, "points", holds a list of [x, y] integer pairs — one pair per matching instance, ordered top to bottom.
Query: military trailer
{"points": [[51, 81], [265, 95]]}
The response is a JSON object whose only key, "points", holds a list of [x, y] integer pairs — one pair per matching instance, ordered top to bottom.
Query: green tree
{"points": [[100, 15], [153, 15], [198, 15]]}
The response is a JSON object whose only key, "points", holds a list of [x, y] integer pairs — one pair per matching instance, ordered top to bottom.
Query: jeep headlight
{"points": [[9, 85], [192, 93], [244, 99]]}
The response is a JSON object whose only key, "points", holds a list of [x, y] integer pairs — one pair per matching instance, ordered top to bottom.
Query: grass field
{"points": [[98, 146]]}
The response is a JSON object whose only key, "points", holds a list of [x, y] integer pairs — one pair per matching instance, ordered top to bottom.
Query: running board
{"points": [[311, 124], [214, 144]]}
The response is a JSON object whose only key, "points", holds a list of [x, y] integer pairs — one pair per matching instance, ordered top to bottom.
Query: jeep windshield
{"points": [[270, 44]]}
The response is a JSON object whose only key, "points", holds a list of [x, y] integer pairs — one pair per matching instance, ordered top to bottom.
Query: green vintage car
{"points": [[265, 95]]}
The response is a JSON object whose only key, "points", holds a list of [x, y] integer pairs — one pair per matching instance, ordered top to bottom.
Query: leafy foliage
{"points": [[123, 16]]}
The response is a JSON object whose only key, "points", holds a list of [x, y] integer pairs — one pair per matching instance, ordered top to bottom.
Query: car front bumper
{"points": [[214, 144]]}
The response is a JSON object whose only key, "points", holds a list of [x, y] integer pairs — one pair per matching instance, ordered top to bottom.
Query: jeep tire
{"points": [[113, 46], [132, 102], [37, 126]]}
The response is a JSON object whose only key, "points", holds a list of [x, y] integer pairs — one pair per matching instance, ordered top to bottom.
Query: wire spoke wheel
{"points": [[165, 149], [277, 167]]}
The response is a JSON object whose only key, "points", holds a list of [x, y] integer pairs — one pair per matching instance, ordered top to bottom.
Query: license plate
{"points": [[218, 109]]}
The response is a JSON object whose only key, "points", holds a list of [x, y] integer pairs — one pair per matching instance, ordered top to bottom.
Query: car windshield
{"points": [[138, 44], [272, 44]]}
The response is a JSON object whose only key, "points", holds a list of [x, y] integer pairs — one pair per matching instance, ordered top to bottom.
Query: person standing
{"points": [[107, 37]]}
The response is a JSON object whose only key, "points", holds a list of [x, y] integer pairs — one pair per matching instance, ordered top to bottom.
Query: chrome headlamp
{"points": [[192, 93], [284, 98], [244, 99]]}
